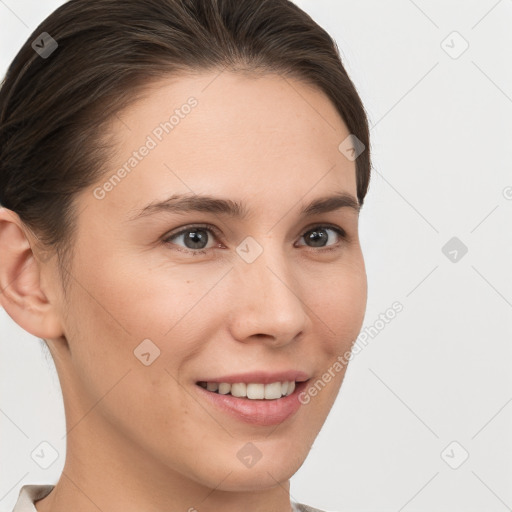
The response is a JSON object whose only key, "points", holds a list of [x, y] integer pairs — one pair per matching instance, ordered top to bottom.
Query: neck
{"points": [[105, 471]]}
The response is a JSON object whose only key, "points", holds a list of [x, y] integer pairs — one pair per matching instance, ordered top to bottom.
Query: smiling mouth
{"points": [[252, 390]]}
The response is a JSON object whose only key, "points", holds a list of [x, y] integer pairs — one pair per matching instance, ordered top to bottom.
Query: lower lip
{"points": [[256, 412]]}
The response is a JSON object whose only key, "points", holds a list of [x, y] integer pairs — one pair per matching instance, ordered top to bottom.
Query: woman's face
{"points": [[259, 294]]}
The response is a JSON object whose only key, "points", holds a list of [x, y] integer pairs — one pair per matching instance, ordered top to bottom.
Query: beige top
{"points": [[33, 492], [30, 493]]}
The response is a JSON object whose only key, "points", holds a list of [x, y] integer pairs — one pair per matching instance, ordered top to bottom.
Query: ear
{"points": [[20, 293]]}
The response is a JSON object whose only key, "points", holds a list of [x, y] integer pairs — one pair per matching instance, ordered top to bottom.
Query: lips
{"points": [[259, 377], [251, 390], [263, 398]]}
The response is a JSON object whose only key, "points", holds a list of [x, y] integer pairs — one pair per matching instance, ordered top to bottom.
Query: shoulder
{"points": [[29, 494], [300, 507]]}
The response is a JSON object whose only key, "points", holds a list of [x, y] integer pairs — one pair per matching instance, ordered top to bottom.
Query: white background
{"points": [[440, 371]]}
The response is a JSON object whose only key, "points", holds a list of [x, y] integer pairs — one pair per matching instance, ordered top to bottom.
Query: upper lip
{"points": [[260, 377]]}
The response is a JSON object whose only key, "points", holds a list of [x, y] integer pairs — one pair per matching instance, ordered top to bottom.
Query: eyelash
{"points": [[208, 227]]}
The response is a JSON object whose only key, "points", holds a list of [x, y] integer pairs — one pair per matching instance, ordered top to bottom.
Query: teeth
{"points": [[224, 388], [239, 389], [253, 390], [256, 391], [273, 391]]}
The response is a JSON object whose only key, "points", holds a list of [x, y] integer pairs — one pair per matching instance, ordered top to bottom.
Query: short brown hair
{"points": [[54, 111]]}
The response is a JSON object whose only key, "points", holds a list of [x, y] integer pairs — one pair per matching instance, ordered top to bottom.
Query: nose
{"points": [[268, 306]]}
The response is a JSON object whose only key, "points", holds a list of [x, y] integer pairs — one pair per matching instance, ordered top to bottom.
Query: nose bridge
{"points": [[268, 301]]}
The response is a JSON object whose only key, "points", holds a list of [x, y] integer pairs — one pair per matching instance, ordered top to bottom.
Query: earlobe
{"points": [[20, 293]]}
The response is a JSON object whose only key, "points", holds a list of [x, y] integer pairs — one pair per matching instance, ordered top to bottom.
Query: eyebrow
{"points": [[183, 203]]}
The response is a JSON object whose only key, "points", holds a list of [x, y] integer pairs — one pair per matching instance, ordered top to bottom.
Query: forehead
{"points": [[224, 133]]}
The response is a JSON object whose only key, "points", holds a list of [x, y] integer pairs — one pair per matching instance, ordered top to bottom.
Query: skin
{"points": [[139, 437]]}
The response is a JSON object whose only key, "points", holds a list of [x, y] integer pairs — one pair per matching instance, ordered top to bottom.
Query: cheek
{"points": [[136, 298], [127, 301], [338, 305], [338, 308]]}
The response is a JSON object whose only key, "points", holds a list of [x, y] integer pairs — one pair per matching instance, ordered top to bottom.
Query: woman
{"points": [[180, 183]]}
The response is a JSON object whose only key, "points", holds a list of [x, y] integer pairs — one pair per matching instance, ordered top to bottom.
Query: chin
{"points": [[271, 465], [257, 478]]}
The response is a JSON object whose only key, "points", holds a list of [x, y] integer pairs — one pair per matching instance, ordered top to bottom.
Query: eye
{"points": [[318, 236], [195, 238]]}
